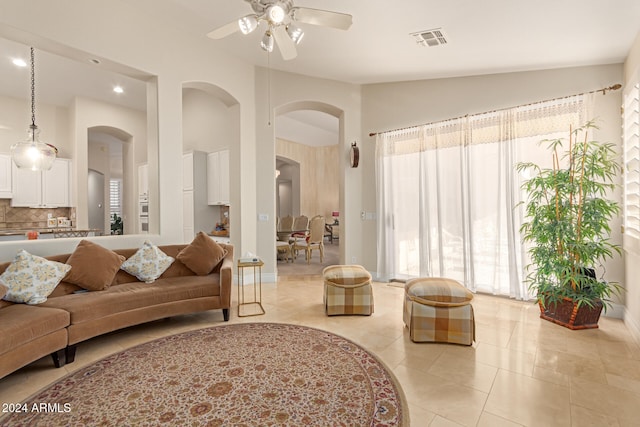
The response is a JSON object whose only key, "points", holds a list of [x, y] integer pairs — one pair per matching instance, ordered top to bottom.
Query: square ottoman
{"points": [[347, 290], [438, 310]]}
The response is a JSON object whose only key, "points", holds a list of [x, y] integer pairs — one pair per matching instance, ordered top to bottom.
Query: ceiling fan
{"points": [[281, 17]]}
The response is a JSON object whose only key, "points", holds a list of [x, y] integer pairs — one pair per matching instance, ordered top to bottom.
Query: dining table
{"points": [[285, 235]]}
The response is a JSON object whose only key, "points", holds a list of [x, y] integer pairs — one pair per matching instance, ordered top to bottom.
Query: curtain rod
{"points": [[603, 90]]}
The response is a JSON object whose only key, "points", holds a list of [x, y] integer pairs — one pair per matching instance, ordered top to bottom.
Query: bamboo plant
{"points": [[568, 216]]}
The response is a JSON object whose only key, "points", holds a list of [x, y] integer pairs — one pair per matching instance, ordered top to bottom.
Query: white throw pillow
{"points": [[148, 263], [31, 278]]}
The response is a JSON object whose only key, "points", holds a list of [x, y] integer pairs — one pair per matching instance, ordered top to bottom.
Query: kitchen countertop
{"points": [[23, 231]]}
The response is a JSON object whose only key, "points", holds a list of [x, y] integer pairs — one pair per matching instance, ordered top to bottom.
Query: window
{"points": [[631, 176], [115, 197]]}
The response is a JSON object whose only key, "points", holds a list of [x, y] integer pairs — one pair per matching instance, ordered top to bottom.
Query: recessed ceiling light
{"points": [[19, 62], [118, 89]]}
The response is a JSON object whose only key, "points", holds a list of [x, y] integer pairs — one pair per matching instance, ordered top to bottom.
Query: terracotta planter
{"points": [[567, 314]]}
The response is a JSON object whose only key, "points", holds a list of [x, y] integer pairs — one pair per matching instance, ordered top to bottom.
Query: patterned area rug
{"points": [[252, 374]]}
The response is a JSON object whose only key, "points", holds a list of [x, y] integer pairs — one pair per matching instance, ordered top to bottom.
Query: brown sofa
{"points": [[67, 318]]}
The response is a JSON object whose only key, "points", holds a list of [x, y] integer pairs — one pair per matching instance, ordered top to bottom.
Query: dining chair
{"points": [[286, 223], [300, 227], [315, 240]]}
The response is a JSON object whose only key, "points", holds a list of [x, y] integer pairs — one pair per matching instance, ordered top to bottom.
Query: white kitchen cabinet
{"points": [[5, 176], [218, 178], [56, 183], [42, 189]]}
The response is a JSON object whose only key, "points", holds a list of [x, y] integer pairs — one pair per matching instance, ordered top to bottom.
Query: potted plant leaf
{"points": [[567, 224], [117, 226]]}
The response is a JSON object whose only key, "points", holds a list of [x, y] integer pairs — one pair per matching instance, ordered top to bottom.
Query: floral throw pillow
{"points": [[148, 263], [30, 279]]}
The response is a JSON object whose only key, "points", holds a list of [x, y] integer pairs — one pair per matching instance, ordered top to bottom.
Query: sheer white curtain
{"points": [[447, 194]]}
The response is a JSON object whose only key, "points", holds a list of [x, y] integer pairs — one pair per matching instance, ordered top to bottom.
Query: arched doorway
{"points": [[210, 136], [307, 157], [109, 165]]}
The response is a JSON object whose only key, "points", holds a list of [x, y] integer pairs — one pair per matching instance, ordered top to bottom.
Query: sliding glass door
{"points": [[449, 197]]}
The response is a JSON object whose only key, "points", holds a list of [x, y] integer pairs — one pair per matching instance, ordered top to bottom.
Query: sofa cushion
{"points": [[202, 254], [148, 263], [93, 267], [31, 279], [3, 290], [89, 306], [22, 324]]}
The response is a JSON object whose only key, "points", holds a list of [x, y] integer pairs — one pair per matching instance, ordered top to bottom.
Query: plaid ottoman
{"points": [[347, 290], [438, 310]]}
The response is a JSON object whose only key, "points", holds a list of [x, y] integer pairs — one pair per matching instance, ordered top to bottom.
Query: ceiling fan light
{"points": [[276, 14], [248, 24], [295, 33], [267, 41]]}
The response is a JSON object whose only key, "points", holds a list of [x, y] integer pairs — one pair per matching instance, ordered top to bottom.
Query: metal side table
{"points": [[257, 287]]}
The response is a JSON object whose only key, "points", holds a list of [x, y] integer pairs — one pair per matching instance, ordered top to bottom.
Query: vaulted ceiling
{"points": [[482, 37]]}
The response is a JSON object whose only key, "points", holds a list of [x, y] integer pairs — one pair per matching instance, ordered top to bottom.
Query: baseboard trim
{"points": [[269, 278], [249, 279], [615, 311], [633, 327]]}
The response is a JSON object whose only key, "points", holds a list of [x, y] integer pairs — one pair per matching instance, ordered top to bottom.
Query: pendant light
{"points": [[32, 153]]}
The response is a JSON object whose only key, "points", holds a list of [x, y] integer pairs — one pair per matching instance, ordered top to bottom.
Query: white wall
{"points": [[53, 122], [206, 122], [99, 160]]}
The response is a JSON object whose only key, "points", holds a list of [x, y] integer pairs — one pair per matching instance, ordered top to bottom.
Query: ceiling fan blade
{"points": [[341, 21], [225, 30], [285, 44]]}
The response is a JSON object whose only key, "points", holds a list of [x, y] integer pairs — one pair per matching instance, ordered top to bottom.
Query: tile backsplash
{"points": [[25, 218]]}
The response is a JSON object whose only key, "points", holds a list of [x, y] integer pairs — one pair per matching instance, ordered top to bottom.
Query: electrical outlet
{"points": [[263, 217], [354, 260]]}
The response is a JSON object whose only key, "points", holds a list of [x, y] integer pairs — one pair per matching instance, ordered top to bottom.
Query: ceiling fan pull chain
{"points": [[269, 89]]}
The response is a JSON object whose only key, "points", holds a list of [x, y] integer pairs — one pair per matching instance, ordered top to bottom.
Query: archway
{"points": [[210, 134], [312, 144], [109, 154]]}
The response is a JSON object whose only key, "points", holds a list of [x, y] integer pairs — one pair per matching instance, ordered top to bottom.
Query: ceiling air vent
{"points": [[430, 38]]}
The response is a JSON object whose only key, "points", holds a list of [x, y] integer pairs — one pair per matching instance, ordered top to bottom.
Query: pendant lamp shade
{"points": [[32, 153]]}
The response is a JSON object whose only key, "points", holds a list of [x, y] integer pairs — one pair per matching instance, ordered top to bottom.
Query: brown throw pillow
{"points": [[202, 254], [93, 267], [3, 290]]}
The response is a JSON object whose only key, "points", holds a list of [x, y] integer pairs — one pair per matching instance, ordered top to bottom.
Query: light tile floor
{"points": [[522, 371]]}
